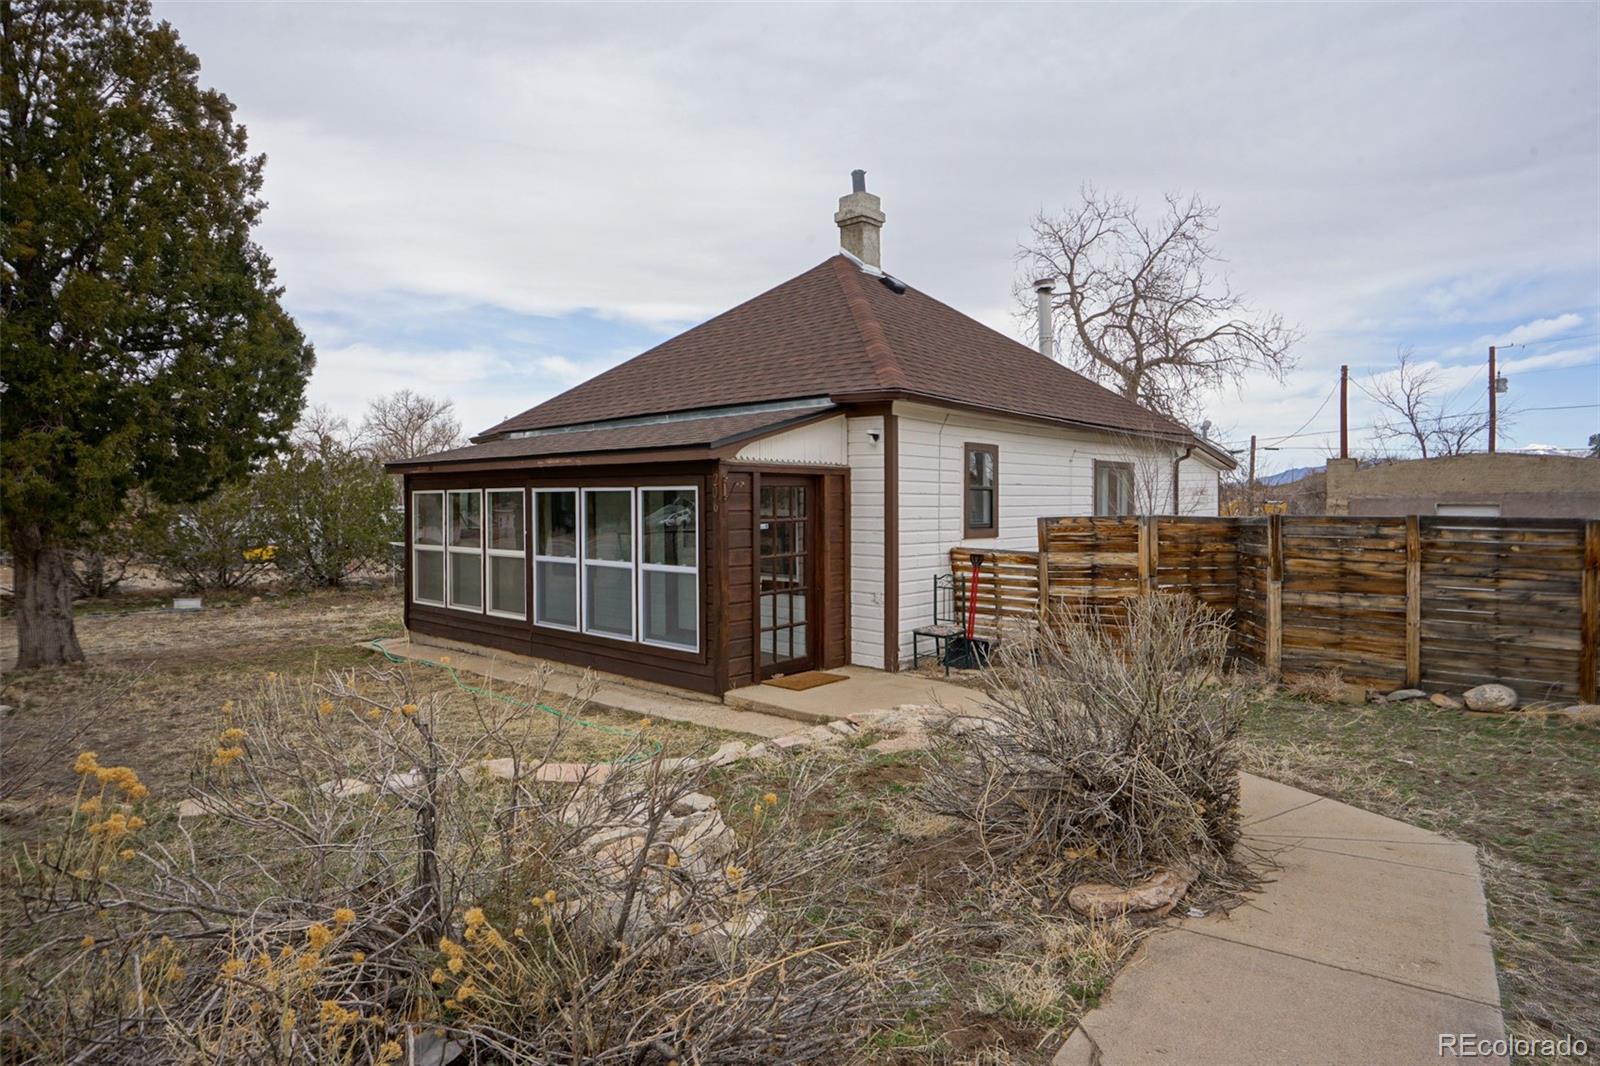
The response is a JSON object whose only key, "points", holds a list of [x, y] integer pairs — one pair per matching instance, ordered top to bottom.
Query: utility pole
{"points": [[1491, 399], [1344, 412], [1250, 495]]}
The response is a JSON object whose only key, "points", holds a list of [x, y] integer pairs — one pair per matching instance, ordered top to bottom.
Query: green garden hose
{"points": [[582, 723]]}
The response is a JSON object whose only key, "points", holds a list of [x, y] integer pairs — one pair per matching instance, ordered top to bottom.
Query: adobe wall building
{"points": [[1502, 484]]}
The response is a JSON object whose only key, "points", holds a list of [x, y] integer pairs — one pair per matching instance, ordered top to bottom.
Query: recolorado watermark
{"points": [[1472, 1046]]}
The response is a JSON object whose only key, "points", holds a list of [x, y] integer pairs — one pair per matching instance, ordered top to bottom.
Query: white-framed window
{"points": [[1113, 488], [464, 544], [507, 547], [427, 548], [555, 558], [669, 567], [608, 572]]}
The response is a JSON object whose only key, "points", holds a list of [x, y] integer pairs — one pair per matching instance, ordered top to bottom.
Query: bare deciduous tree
{"points": [[1140, 305], [1409, 396], [405, 424]]}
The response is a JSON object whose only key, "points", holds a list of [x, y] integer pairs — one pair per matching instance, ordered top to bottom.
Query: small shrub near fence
{"points": [[1444, 603]]}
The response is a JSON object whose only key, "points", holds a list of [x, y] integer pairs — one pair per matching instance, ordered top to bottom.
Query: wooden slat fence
{"points": [[1445, 603]]}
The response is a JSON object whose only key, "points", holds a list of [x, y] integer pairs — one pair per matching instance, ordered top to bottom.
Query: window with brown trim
{"points": [[1113, 488], [981, 491]]}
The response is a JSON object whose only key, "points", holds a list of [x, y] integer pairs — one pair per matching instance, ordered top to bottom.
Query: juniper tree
{"points": [[144, 343]]}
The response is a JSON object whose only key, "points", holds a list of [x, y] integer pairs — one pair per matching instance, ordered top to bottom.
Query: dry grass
{"points": [[1523, 790], [985, 972]]}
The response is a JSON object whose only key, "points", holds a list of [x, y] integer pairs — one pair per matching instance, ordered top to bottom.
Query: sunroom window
{"points": [[465, 542], [427, 548], [555, 558], [507, 561], [608, 563], [669, 579]]}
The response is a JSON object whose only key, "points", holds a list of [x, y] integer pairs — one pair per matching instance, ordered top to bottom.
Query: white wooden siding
{"points": [[819, 444], [1044, 471], [866, 540]]}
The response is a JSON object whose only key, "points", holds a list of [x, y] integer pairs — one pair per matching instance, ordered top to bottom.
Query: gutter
{"points": [[1177, 505]]}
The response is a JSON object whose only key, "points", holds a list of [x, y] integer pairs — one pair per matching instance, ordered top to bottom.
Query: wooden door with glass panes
{"points": [[785, 575]]}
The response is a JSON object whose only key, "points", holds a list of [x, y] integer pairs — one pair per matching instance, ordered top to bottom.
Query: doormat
{"points": [[808, 679]]}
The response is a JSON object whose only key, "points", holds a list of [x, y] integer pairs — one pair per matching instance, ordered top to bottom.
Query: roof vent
{"points": [[893, 284]]}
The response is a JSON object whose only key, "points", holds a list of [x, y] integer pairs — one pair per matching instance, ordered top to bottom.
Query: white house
{"points": [[776, 489]]}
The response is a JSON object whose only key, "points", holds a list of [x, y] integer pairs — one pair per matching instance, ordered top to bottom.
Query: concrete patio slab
{"points": [[866, 690], [610, 695], [1369, 939], [1190, 1000]]}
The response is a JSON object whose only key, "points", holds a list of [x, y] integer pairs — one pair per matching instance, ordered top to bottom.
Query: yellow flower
{"points": [[227, 706], [325, 707], [409, 709], [374, 714], [644, 723], [235, 733], [224, 756], [85, 763], [138, 791], [770, 799], [90, 805], [135, 823], [126, 854], [672, 860], [735, 873], [550, 896], [343, 916], [474, 917], [517, 931], [318, 935], [87, 941], [450, 948], [358, 957], [455, 964], [232, 968], [437, 977], [467, 990], [450, 1004], [288, 1019], [390, 1051]]}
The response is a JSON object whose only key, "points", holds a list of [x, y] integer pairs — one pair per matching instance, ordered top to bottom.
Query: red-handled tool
{"points": [[972, 594]]}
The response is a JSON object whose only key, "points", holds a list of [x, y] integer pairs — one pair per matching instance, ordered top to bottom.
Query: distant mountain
{"points": [[1289, 477]]}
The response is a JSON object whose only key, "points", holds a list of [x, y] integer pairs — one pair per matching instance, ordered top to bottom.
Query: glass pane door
{"points": [[785, 568]]}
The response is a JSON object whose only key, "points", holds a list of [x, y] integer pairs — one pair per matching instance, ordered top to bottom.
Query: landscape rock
{"points": [[1403, 694], [1490, 698], [1449, 703], [1581, 713], [965, 724], [842, 727], [789, 742], [903, 742], [732, 751], [572, 773], [343, 788], [693, 803], [195, 807], [1154, 897]]}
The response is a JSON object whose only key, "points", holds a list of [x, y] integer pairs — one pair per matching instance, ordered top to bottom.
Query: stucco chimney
{"points": [[859, 222], [1046, 288]]}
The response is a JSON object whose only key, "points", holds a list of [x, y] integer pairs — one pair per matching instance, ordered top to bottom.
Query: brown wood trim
{"points": [[867, 400], [718, 527], [968, 530], [405, 537], [891, 541], [849, 568], [755, 577], [1413, 601], [1589, 622]]}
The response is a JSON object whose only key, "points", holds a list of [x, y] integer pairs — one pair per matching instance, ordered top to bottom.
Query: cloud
{"points": [[636, 168]]}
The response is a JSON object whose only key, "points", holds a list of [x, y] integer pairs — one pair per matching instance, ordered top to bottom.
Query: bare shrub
{"points": [[1110, 743], [360, 888]]}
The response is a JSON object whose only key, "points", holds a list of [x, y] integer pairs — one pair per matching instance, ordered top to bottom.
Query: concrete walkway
{"points": [[867, 690], [613, 694], [1369, 941]]}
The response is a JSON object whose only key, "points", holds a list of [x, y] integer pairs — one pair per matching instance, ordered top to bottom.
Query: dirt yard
{"points": [[1524, 790], [1001, 979]]}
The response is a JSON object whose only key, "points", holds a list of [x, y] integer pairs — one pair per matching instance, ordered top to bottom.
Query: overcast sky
{"points": [[493, 202]]}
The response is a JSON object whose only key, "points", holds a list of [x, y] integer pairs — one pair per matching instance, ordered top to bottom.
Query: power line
{"points": [[1462, 414], [1313, 417]]}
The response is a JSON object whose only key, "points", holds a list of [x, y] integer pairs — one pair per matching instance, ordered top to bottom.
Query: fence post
{"points": [[1149, 554], [1044, 571], [1275, 596], [1413, 601], [1589, 627]]}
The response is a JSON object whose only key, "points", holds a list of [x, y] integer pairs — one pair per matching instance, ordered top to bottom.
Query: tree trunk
{"points": [[45, 634]]}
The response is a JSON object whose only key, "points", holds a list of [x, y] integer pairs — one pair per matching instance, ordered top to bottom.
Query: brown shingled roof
{"points": [[839, 331], [705, 433]]}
